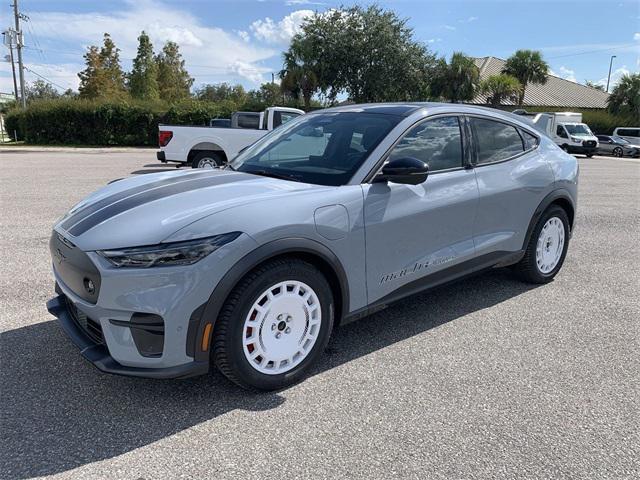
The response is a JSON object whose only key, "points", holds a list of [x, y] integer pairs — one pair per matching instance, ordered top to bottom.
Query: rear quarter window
{"points": [[495, 141]]}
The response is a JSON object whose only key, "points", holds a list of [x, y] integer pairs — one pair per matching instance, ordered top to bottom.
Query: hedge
{"points": [[80, 122], [83, 122]]}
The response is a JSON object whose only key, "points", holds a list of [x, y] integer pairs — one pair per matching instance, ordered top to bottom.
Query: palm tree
{"points": [[528, 67], [298, 77], [456, 81], [501, 87], [625, 98]]}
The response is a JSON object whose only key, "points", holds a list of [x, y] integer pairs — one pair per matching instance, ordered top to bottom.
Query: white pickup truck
{"points": [[210, 147]]}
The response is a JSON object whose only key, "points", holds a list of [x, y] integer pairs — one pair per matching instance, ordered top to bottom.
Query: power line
{"points": [[592, 51], [45, 78]]}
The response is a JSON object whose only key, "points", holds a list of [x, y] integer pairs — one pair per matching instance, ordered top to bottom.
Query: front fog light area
{"points": [[167, 254]]}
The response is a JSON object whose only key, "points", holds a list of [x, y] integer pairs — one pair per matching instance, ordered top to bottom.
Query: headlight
{"points": [[576, 139], [167, 254]]}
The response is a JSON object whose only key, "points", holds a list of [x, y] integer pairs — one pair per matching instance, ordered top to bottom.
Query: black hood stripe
{"points": [[147, 196], [105, 202]]}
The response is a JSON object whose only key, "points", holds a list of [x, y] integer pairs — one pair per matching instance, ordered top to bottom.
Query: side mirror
{"points": [[407, 170]]}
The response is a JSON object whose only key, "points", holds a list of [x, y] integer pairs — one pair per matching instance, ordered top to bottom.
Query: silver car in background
{"points": [[617, 146], [330, 217]]}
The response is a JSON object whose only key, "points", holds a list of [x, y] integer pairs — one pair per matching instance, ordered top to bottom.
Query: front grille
{"points": [[589, 143], [88, 325]]}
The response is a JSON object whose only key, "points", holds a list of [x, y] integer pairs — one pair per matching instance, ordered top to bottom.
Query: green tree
{"points": [[368, 53], [528, 67], [298, 75], [102, 76], [143, 79], [456, 81], [174, 82], [597, 86], [499, 88], [41, 90], [222, 92], [625, 97]]}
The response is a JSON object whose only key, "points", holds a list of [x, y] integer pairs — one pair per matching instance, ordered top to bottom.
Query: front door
{"points": [[414, 231]]}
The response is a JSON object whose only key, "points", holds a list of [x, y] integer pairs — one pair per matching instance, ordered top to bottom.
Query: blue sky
{"points": [[241, 41]]}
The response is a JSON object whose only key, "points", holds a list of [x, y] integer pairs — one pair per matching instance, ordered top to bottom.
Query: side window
{"points": [[280, 118], [248, 121], [561, 132], [629, 132], [496, 141], [530, 141], [438, 142]]}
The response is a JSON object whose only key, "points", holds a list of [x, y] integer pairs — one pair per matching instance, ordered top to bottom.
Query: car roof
{"points": [[400, 108]]}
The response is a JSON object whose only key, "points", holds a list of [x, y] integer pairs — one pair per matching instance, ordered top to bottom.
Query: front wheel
{"points": [[617, 152], [589, 155], [547, 247], [274, 325]]}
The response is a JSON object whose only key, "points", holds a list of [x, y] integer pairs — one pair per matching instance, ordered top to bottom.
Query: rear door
{"points": [[513, 178], [414, 231]]}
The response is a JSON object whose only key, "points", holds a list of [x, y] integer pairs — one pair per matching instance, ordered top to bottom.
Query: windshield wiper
{"points": [[281, 176]]}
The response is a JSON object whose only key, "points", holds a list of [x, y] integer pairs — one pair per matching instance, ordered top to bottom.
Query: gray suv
{"points": [[324, 220]]}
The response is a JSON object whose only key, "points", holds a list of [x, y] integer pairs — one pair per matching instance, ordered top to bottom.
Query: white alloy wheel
{"points": [[550, 245], [281, 327]]}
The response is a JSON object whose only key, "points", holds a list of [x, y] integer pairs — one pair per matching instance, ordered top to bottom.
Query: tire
{"points": [[565, 148], [617, 152], [589, 155], [206, 159], [529, 269], [291, 322]]}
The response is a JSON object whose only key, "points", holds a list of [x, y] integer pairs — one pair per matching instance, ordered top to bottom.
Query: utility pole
{"points": [[17, 17], [9, 36], [609, 76], [273, 77]]}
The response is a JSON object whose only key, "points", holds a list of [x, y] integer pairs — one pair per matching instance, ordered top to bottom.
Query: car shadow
{"points": [[59, 413]]}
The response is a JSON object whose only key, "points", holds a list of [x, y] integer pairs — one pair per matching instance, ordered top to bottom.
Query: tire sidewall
{"points": [[550, 213], [296, 271]]}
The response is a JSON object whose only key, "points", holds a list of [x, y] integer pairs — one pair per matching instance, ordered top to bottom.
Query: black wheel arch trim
{"points": [[559, 194], [208, 312]]}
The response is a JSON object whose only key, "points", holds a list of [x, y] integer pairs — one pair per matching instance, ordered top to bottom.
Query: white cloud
{"points": [[302, 2], [468, 20], [448, 27], [280, 32], [244, 35], [636, 36], [434, 40], [211, 53], [567, 74], [63, 75]]}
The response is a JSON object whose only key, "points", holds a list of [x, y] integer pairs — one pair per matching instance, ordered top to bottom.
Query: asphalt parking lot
{"points": [[488, 378]]}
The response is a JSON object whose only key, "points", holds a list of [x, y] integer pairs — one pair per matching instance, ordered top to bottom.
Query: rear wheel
{"points": [[617, 152], [589, 155], [206, 159], [547, 247], [274, 325]]}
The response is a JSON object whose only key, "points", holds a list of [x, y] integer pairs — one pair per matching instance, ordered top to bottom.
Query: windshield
{"points": [[577, 129], [620, 140], [319, 148]]}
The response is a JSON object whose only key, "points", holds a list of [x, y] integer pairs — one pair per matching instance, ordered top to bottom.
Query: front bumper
{"points": [[582, 149], [98, 354]]}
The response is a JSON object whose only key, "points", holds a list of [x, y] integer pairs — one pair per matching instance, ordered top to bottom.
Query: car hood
{"points": [[147, 209]]}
